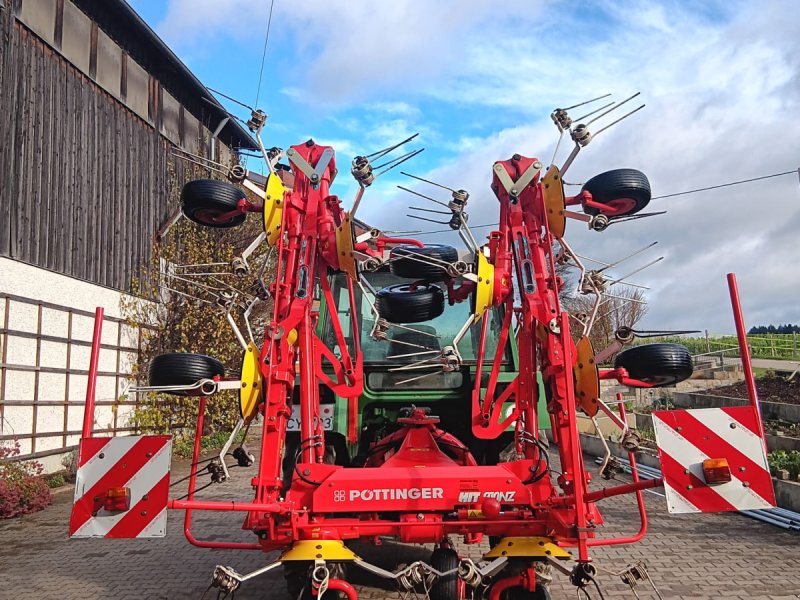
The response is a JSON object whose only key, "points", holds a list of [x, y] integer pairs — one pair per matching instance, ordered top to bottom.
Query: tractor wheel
{"points": [[623, 191], [206, 201], [404, 261], [404, 303], [661, 364], [183, 369], [543, 574], [298, 580], [445, 588], [541, 593]]}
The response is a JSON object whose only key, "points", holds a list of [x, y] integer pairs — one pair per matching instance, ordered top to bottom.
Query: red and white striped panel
{"points": [[686, 438], [140, 463]]}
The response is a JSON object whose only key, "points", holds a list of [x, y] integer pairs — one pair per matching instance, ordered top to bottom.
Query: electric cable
{"points": [[264, 54], [722, 185], [702, 189]]}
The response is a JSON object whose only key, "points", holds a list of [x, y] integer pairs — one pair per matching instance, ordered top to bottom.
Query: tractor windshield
{"points": [[412, 338]]}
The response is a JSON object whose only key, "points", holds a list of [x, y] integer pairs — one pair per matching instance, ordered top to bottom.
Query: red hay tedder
{"points": [[417, 477]]}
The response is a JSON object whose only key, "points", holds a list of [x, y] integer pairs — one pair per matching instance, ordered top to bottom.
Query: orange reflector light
{"points": [[716, 470], [117, 499]]}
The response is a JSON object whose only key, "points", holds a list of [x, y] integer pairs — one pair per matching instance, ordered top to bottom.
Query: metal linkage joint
{"points": [[561, 118], [257, 120], [581, 135], [362, 171], [237, 173], [459, 201], [599, 222], [371, 264], [593, 282], [381, 330], [450, 359], [631, 441], [244, 458], [216, 471], [582, 574], [226, 579]]}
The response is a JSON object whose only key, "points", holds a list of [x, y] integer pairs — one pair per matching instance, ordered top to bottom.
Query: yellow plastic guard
{"points": [[554, 201], [273, 209], [344, 248], [484, 290], [587, 381], [250, 392], [527, 547], [319, 550]]}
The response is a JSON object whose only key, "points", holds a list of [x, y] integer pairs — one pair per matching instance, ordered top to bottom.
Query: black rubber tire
{"points": [[618, 184], [202, 200], [411, 268], [402, 304], [662, 364], [179, 368], [298, 580], [445, 588], [541, 593]]}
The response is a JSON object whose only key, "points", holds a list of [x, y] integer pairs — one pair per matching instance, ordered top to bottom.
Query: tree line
{"points": [[789, 328]]}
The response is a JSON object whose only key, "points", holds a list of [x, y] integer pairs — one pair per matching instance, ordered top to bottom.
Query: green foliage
{"points": [[180, 314], [788, 328], [780, 346], [647, 433], [183, 446], [790, 461], [56, 481]]}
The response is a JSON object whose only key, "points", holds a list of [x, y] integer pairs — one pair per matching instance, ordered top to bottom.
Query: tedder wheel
{"points": [[623, 191], [206, 201], [412, 268], [404, 303], [661, 364], [183, 369], [543, 572], [298, 580], [445, 588], [541, 593]]}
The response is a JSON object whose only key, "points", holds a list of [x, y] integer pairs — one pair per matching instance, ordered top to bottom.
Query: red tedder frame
{"points": [[392, 495]]}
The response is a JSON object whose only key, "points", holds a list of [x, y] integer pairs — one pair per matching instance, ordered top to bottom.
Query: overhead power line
{"points": [[264, 54], [722, 185], [703, 189]]}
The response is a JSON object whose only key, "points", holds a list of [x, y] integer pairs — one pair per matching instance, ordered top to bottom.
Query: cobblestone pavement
{"points": [[690, 556]]}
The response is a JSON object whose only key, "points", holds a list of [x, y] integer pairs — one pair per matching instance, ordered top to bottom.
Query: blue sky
{"points": [[478, 81]]}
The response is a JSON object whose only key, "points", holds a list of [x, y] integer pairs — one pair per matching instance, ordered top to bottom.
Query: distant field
{"points": [[768, 345]]}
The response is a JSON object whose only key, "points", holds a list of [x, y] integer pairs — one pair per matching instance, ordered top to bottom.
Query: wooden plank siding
{"points": [[84, 182]]}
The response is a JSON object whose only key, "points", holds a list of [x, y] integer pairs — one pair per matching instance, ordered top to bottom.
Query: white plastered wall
{"points": [[58, 396]]}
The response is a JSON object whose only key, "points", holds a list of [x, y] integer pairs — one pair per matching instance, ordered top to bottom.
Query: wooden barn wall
{"points": [[84, 183]]}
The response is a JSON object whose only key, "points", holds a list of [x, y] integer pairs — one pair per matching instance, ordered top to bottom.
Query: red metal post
{"points": [[744, 349], [91, 383], [191, 503]]}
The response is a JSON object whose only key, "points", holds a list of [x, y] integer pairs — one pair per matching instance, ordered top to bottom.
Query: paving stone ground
{"points": [[689, 556]]}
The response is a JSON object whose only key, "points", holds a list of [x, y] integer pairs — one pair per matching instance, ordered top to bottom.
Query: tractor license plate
{"points": [[325, 414]]}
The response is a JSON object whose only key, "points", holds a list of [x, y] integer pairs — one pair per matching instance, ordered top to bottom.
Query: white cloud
{"points": [[721, 83]]}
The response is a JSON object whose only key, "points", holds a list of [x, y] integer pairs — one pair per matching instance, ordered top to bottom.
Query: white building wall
{"points": [[58, 395]]}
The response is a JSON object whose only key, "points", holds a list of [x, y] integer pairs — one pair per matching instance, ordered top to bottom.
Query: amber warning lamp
{"points": [[716, 470], [117, 499]]}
